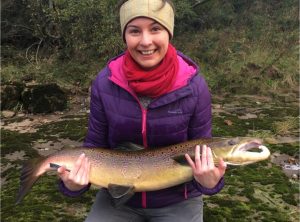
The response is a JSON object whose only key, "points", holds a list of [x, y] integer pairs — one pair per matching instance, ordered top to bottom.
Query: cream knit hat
{"points": [[147, 8]]}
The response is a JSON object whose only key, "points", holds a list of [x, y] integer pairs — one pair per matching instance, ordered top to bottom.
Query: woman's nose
{"points": [[146, 39]]}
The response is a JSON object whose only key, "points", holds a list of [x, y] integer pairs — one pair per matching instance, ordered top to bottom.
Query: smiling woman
{"points": [[153, 81]]}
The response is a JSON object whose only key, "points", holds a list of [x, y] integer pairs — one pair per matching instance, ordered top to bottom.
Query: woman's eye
{"points": [[156, 29], [133, 31]]}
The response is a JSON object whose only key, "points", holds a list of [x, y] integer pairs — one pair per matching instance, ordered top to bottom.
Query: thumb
{"points": [[62, 172]]}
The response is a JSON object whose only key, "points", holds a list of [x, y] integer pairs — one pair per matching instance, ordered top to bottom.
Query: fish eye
{"points": [[232, 142]]}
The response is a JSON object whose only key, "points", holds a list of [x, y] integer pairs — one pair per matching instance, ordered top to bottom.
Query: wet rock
{"points": [[287, 97], [44, 99], [217, 106], [20, 114], [248, 116], [228, 122], [283, 139], [17, 155], [291, 169], [295, 176]]}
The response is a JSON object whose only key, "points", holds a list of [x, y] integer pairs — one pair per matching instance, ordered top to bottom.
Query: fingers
{"points": [[204, 157], [198, 159], [210, 160], [190, 161], [203, 161], [197, 164], [77, 166], [222, 167], [204, 169], [62, 172], [82, 173], [86, 175], [78, 176]]}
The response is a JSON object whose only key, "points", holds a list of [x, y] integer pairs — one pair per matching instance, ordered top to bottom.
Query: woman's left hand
{"points": [[204, 169]]}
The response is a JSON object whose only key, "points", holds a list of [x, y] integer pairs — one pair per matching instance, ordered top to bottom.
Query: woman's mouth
{"points": [[147, 52]]}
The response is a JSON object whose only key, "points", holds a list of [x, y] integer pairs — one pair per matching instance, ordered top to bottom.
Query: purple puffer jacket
{"points": [[116, 115]]}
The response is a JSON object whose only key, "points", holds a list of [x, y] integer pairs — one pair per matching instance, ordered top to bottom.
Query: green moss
{"points": [[74, 129], [13, 141], [291, 149], [239, 201], [43, 203]]}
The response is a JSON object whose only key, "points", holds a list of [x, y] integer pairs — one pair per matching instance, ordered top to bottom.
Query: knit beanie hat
{"points": [[147, 8]]}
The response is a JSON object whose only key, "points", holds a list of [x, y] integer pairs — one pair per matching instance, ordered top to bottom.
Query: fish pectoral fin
{"points": [[127, 146], [181, 160], [121, 194]]}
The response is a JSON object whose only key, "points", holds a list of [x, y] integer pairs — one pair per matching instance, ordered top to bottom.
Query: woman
{"points": [[154, 96]]}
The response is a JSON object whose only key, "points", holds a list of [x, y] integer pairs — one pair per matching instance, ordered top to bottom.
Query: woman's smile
{"points": [[147, 52]]}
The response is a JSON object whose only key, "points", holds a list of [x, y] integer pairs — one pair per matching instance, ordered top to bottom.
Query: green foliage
{"points": [[69, 28], [242, 46], [245, 46]]}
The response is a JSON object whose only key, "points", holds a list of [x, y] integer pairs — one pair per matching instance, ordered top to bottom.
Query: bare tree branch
{"points": [[199, 2], [37, 51]]}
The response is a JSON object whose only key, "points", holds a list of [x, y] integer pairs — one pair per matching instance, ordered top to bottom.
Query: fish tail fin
{"points": [[29, 175]]}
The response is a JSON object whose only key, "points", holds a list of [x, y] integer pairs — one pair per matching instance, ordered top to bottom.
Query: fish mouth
{"points": [[250, 146], [250, 152]]}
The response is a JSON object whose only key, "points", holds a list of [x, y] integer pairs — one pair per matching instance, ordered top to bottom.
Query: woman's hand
{"points": [[204, 169], [78, 177]]}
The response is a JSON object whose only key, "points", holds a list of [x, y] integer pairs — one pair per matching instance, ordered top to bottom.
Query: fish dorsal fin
{"points": [[128, 146], [121, 194]]}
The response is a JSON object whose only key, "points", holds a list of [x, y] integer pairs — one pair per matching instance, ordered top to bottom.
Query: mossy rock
{"points": [[11, 95], [44, 99]]}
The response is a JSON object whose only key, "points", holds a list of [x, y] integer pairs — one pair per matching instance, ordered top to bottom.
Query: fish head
{"points": [[243, 151]]}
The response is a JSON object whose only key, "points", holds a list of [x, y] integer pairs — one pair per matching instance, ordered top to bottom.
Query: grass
{"points": [[68, 74], [286, 126]]}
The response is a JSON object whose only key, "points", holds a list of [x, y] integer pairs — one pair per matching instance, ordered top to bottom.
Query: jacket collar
{"points": [[187, 70]]}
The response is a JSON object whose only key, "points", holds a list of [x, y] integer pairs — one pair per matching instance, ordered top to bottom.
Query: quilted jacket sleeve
{"points": [[200, 122], [201, 125], [97, 127]]}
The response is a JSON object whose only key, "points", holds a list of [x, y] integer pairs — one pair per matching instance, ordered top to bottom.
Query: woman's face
{"points": [[147, 42]]}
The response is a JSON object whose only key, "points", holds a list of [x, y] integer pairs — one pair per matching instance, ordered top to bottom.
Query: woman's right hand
{"points": [[78, 177]]}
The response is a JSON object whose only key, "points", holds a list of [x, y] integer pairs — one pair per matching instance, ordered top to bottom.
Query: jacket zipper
{"points": [[144, 127], [144, 133], [145, 143]]}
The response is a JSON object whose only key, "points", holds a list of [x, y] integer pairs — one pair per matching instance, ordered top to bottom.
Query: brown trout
{"points": [[125, 172]]}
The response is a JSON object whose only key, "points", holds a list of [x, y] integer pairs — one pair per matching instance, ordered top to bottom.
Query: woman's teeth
{"points": [[148, 52]]}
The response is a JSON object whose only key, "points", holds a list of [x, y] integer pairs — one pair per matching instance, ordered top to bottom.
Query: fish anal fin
{"points": [[120, 193]]}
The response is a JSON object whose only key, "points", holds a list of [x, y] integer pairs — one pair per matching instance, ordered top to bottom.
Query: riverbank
{"points": [[261, 192]]}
